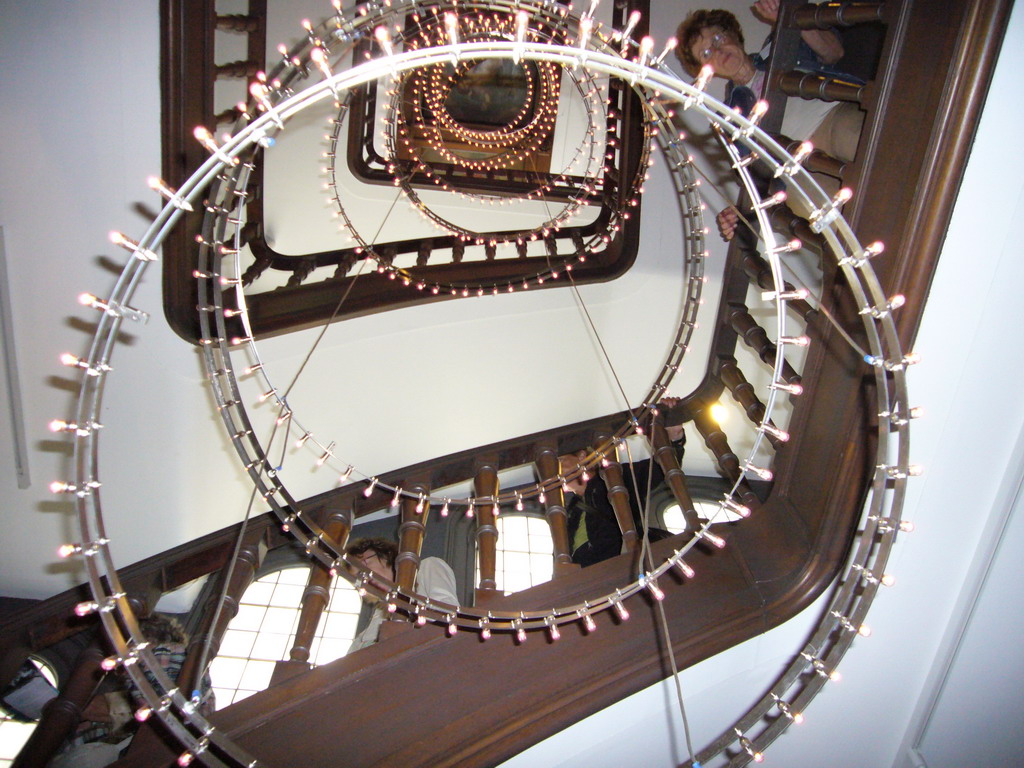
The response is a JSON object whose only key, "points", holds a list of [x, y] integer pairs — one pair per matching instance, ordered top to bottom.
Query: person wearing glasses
{"points": [[714, 38]]}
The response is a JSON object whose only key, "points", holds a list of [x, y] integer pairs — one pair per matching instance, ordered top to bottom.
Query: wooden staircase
{"points": [[422, 698]]}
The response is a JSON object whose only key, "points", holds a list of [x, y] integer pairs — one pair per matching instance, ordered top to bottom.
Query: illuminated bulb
{"points": [[634, 19], [522, 21], [586, 24], [451, 25], [384, 39], [670, 45], [646, 46], [703, 78], [759, 110], [204, 137], [157, 184], [842, 196], [798, 295], [89, 300], [796, 341], [73, 361], [782, 386], [719, 413], [302, 440], [325, 456], [761, 472], [368, 491], [396, 498], [519, 502], [419, 505], [735, 507], [444, 509], [469, 509], [714, 539], [67, 550], [685, 569], [655, 590], [84, 609], [621, 610], [421, 620], [588, 622], [452, 627], [485, 630], [864, 630], [553, 632], [521, 635], [110, 663], [142, 714], [185, 758]]}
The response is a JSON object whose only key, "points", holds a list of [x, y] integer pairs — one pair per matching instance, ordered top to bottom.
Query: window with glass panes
{"points": [[524, 552], [263, 632], [14, 733]]}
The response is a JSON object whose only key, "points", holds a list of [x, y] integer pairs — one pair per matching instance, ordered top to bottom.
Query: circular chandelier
{"points": [[543, 39]]}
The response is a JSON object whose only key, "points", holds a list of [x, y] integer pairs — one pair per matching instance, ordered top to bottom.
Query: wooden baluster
{"points": [[827, 15], [237, 22], [237, 69], [808, 85], [819, 162], [784, 220], [423, 252], [302, 269], [760, 274], [755, 337], [743, 392], [716, 440], [665, 455], [547, 468], [485, 484], [618, 496], [410, 538], [250, 555], [315, 599], [62, 714]]}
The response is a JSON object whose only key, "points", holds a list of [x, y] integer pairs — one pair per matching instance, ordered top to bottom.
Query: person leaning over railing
{"points": [[714, 38], [435, 580]]}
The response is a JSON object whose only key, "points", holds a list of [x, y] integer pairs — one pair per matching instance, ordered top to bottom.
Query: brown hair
{"points": [[692, 27], [385, 549], [162, 629]]}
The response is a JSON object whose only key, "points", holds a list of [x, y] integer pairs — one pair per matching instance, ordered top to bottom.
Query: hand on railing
{"points": [[727, 220]]}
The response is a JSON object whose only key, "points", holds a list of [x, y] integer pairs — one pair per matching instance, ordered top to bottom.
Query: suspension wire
{"points": [[341, 300], [645, 553], [204, 656]]}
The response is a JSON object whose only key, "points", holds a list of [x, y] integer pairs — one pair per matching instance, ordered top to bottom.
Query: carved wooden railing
{"points": [[188, 74], [931, 85]]}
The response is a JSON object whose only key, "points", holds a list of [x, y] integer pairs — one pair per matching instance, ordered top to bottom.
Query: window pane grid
{"points": [[524, 552], [263, 632]]}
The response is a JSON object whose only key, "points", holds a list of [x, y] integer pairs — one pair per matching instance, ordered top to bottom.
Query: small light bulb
{"points": [[67, 550]]}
